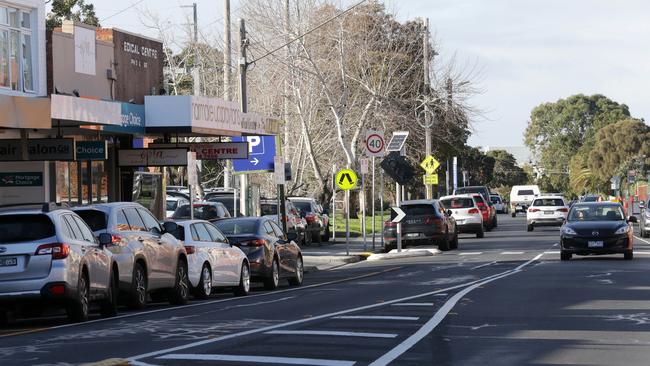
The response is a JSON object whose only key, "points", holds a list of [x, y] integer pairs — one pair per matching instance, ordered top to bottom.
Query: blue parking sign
{"points": [[261, 150]]}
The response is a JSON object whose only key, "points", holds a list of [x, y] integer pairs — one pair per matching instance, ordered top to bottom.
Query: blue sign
{"points": [[132, 120], [92, 150], [261, 151]]}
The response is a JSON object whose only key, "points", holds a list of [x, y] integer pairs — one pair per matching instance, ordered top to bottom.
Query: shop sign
{"points": [[86, 111], [132, 120], [38, 150], [92, 150], [220, 150], [152, 157], [21, 179]]}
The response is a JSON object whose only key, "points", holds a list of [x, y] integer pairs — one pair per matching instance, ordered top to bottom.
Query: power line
{"points": [[122, 11]]}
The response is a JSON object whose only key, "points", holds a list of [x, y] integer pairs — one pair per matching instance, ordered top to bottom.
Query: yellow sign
{"points": [[430, 165], [346, 179], [430, 179]]}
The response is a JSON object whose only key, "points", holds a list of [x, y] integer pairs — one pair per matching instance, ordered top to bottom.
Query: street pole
{"points": [[227, 64], [243, 66], [427, 122], [398, 193], [373, 203], [333, 204], [381, 204], [363, 211], [347, 222]]}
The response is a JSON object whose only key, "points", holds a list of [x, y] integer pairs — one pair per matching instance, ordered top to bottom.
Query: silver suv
{"points": [[49, 256], [150, 259]]}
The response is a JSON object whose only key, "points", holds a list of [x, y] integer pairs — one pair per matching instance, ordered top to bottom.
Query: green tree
{"points": [[71, 9], [556, 131], [480, 167], [506, 172]]}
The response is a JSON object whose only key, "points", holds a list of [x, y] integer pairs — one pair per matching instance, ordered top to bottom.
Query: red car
{"points": [[488, 211]]}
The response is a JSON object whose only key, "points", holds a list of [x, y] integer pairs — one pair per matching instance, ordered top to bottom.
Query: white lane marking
{"points": [[643, 240], [556, 244], [552, 252], [640, 252], [470, 253], [512, 253], [485, 265], [442, 294], [261, 302], [413, 304], [439, 316], [318, 317], [376, 317], [333, 333], [258, 359], [140, 363]]}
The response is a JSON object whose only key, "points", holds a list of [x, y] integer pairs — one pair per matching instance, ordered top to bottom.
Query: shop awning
{"points": [[24, 112]]}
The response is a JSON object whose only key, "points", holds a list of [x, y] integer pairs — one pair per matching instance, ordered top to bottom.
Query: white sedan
{"points": [[547, 211], [212, 261]]}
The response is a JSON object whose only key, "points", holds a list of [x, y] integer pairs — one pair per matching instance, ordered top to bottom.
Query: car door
{"points": [[281, 246], [165, 248], [150, 249], [228, 255], [98, 258]]}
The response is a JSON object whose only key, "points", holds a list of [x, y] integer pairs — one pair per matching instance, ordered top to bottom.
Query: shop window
{"points": [[16, 56], [4, 58], [28, 82], [68, 179]]}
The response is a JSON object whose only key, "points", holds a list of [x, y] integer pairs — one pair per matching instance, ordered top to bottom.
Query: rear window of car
{"points": [[465, 190], [525, 192], [495, 199], [228, 201], [548, 202], [454, 203], [303, 206], [269, 209], [419, 209], [203, 212], [94, 218], [237, 227], [22, 228]]}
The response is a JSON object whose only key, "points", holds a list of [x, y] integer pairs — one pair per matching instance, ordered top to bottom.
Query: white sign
{"points": [[84, 50], [86, 110], [375, 143], [152, 157], [278, 162], [363, 163], [455, 173], [192, 174], [399, 214]]}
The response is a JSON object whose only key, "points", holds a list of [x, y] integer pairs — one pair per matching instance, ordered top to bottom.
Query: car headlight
{"points": [[647, 213], [622, 230], [568, 231]]}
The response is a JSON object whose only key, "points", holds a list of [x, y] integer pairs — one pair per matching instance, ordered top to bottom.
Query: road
{"points": [[502, 300]]}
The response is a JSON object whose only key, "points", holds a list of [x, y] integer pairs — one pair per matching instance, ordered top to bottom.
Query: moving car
{"points": [[521, 197], [591, 198], [498, 203], [210, 211], [465, 211], [546, 211], [316, 218], [426, 222], [295, 223], [597, 228], [272, 254], [50, 257], [150, 259], [212, 261]]}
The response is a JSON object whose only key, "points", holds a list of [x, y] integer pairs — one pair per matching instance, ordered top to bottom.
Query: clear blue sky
{"points": [[529, 51]]}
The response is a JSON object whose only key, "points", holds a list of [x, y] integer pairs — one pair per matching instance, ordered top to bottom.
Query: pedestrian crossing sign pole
{"points": [[346, 179]]}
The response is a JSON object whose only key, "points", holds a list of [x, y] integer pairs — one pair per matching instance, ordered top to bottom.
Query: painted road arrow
{"points": [[400, 215]]}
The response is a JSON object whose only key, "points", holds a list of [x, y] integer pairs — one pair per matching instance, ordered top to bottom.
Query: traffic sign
{"points": [[375, 143], [261, 152], [363, 164], [430, 164], [279, 173], [346, 179], [430, 179], [399, 214]]}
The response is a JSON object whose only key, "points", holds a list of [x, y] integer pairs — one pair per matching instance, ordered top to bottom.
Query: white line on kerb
{"points": [[470, 253], [414, 304], [376, 317], [332, 333], [258, 359]]}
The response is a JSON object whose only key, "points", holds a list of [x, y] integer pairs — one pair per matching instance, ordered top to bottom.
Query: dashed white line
{"points": [[470, 253], [512, 253], [485, 265], [413, 304], [376, 317], [332, 333], [257, 359]]}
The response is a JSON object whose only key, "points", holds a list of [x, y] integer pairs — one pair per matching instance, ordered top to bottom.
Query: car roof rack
{"points": [[44, 206]]}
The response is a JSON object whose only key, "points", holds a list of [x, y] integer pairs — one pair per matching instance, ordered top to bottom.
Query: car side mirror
{"points": [[450, 212], [632, 219], [169, 226], [292, 236], [105, 239]]}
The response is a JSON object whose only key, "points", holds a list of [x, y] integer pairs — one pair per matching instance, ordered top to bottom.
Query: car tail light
{"points": [[564, 209], [533, 210], [473, 211], [430, 220], [390, 224], [116, 239], [254, 243], [190, 249], [57, 250], [57, 290]]}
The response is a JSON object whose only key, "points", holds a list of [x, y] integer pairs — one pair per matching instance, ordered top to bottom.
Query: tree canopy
{"points": [[77, 10], [506, 172]]}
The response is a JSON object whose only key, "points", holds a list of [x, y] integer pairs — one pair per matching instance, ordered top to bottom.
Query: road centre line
{"points": [[512, 253], [485, 265], [414, 304], [439, 316], [318, 317], [376, 317], [333, 333], [258, 359]]}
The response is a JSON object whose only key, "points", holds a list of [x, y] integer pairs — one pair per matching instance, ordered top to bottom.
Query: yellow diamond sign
{"points": [[430, 164], [346, 179], [430, 179]]}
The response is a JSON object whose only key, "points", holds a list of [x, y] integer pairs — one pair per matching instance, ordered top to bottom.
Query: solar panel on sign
{"points": [[397, 141]]}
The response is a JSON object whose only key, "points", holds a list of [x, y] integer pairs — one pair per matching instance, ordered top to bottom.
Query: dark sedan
{"points": [[210, 211], [597, 228], [272, 254]]}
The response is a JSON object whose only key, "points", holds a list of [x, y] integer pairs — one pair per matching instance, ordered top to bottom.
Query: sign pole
{"points": [[398, 193], [372, 197], [381, 203], [334, 205], [363, 211], [347, 222]]}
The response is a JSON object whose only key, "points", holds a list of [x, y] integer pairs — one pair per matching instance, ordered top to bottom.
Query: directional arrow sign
{"points": [[254, 161], [430, 164], [399, 214]]}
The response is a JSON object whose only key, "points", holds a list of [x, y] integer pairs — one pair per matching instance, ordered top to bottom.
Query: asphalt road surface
{"points": [[505, 299]]}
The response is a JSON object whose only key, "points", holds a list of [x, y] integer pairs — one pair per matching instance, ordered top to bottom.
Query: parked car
{"points": [[482, 190], [179, 194], [521, 197], [228, 198], [173, 202], [498, 203], [464, 209], [210, 211], [488, 211], [546, 211], [317, 219], [644, 221], [426, 222], [489, 222], [295, 223], [597, 228], [272, 254], [50, 257], [150, 259], [212, 261]]}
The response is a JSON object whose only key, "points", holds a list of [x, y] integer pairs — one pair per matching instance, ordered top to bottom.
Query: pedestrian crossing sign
{"points": [[346, 179], [430, 179]]}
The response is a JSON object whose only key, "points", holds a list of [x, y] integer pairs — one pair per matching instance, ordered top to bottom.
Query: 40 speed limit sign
{"points": [[375, 144]]}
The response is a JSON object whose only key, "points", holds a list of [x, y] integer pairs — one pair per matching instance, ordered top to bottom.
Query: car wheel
{"points": [[514, 214], [494, 224], [530, 227], [480, 233], [326, 235], [308, 240], [454, 243], [443, 244], [629, 255], [565, 256], [299, 273], [273, 280], [244, 281], [204, 288], [179, 293], [138, 295], [109, 304], [78, 309]]}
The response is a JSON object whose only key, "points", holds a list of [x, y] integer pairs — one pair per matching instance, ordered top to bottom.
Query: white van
{"points": [[521, 197]]}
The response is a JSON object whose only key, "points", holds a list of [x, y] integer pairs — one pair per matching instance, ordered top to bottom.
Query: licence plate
{"points": [[548, 212], [412, 235], [595, 244], [8, 262]]}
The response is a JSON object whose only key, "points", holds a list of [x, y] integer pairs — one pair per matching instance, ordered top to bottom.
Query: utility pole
{"points": [[227, 64], [196, 77], [425, 91], [243, 100], [282, 207]]}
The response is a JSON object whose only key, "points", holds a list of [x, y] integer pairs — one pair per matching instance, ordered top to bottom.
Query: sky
{"points": [[520, 53]]}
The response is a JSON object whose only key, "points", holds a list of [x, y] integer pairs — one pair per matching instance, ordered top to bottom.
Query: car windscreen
{"points": [[465, 190], [525, 192], [495, 199], [590, 199], [228, 201], [548, 202], [455, 203], [172, 205], [303, 206], [269, 209], [419, 209], [202, 212], [596, 213], [94, 218], [237, 227], [22, 228]]}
